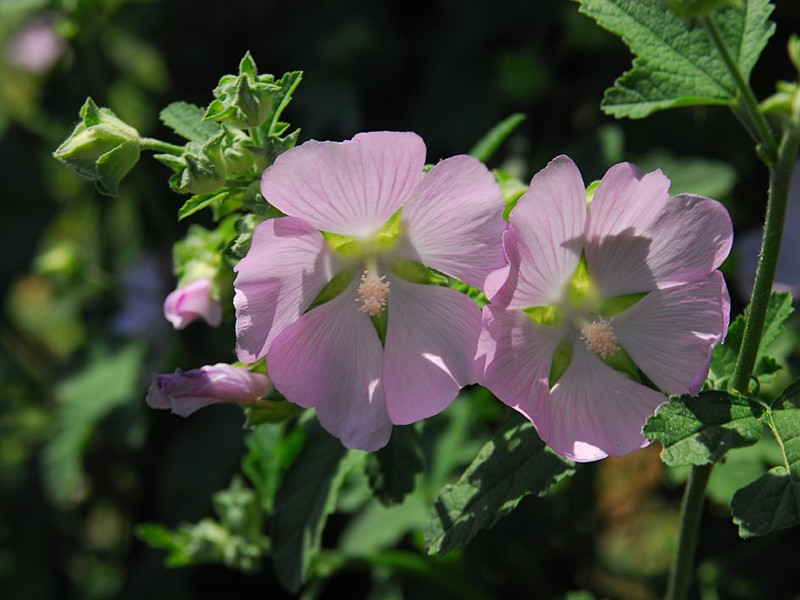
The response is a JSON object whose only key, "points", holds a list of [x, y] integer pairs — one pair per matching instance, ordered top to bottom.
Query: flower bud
{"points": [[246, 100], [102, 148], [193, 301], [185, 392]]}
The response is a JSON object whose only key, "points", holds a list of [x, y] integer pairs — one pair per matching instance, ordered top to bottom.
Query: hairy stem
{"points": [[754, 119], [159, 146], [779, 177]]}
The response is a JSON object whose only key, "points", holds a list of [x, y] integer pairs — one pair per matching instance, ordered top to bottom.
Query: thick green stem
{"points": [[755, 121], [159, 146], [780, 159], [779, 177], [680, 574]]}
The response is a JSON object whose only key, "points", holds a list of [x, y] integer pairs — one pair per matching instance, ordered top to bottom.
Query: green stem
{"points": [[755, 121], [159, 146], [780, 159], [779, 177], [680, 574]]}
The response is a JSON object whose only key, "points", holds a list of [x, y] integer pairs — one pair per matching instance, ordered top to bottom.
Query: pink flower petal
{"points": [[349, 188], [455, 220], [690, 238], [546, 241], [617, 246], [288, 264], [190, 302], [670, 333], [430, 346], [518, 353], [331, 358], [595, 411]]}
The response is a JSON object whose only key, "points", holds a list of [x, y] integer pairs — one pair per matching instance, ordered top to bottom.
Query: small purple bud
{"points": [[185, 392]]}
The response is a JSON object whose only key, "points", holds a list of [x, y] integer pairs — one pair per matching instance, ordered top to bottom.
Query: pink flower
{"points": [[37, 46], [385, 220], [192, 301], [566, 339], [185, 392]]}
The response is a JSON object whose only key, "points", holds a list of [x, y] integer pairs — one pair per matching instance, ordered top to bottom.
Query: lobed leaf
{"points": [[675, 63], [700, 430], [514, 464], [772, 502]]}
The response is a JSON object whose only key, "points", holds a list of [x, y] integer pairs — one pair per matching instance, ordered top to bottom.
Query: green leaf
{"points": [[675, 63], [187, 121], [494, 138], [196, 203], [723, 359], [110, 380], [699, 430], [271, 451], [514, 464], [392, 470], [304, 501], [772, 502]]}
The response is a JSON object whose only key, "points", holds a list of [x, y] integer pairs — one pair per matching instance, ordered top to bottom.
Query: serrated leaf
{"points": [[675, 63], [187, 121], [485, 148], [723, 359], [700, 430], [514, 464], [393, 469], [305, 499], [772, 502]]}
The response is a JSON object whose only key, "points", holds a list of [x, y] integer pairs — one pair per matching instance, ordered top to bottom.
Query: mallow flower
{"points": [[337, 294], [193, 301], [602, 310], [185, 392]]}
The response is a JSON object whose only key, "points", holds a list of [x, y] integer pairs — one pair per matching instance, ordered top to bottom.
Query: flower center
{"points": [[373, 292], [600, 338]]}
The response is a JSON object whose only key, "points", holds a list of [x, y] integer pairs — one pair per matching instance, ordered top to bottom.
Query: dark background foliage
{"points": [[448, 70]]}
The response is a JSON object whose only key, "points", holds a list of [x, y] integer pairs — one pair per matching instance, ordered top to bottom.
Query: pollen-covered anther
{"points": [[373, 292], [600, 338]]}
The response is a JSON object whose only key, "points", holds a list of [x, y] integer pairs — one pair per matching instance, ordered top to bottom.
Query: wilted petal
{"points": [[349, 188], [455, 220], [545, 242], [617, 247], [287, 266], [190, 302], [670, 333], [430, 349], [331, 359], [185, 392], [595, 411]]}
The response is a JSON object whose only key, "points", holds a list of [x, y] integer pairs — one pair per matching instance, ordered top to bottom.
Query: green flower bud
{"points": [[246, 100], [102, 148], [204, 170]]}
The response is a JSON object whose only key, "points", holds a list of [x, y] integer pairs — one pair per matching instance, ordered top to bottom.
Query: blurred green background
{"points": [[83, 460]]}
